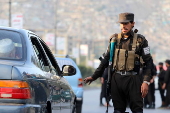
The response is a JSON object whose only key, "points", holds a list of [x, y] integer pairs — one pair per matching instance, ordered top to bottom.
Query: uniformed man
{"points": [[125, 51], [161, 75], [167, 83]]}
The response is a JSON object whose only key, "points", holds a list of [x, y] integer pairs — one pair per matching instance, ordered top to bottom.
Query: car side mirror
{"points": [[68, 70]]}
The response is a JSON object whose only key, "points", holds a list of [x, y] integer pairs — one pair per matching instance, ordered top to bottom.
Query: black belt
{"points": [[126, 73]]}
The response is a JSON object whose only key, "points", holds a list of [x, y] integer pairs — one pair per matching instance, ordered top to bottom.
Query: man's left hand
{"points": [[102, 80], [144, 89]]}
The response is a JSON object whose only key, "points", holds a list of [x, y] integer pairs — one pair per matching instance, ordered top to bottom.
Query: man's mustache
{"points": [[124, 29]]}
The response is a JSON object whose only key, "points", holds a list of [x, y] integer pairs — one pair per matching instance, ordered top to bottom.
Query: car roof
{"points": [[17, 30], [24, 34], [67, 61]]}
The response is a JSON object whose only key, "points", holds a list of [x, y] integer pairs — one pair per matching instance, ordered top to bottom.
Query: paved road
{"points": [[91, 103]]}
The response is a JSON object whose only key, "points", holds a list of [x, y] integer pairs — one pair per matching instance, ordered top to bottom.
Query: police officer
{"points": [[125, 55], [161, 75], [167, 83]]}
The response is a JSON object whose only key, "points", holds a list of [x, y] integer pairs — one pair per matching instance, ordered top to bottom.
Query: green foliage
{"points": [[83, 60], [86, 71]]}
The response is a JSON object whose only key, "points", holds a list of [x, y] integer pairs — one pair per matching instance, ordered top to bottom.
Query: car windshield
{"points": [[10, 45]]}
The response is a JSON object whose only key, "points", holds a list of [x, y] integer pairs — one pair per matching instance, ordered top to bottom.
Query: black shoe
{"points": [[145, 106], [153, 106], [163, 106], [149, 107]]}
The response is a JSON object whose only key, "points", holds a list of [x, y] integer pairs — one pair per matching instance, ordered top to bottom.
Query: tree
{"points": [[86, 71]]}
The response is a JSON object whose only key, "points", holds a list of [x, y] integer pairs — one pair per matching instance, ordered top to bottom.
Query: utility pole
{"points": [[10, 2], [55, 26]]}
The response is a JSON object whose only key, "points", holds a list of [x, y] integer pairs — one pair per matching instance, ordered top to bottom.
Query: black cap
{"points": [[126, 17], [167, 61], [160, 63]]}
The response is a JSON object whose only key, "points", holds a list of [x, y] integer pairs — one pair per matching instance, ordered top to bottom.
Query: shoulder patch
{"points": [[146, 50]]}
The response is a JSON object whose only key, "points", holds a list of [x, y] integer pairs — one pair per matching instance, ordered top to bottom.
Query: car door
{"points": [[50, 73], [67, 95]]}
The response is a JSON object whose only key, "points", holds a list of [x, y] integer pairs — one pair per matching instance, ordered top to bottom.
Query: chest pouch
{"points": [[119, 59], [124, 60], [130, 60]]}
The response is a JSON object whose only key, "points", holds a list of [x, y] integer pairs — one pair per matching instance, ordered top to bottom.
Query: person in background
{"points": [[7, 48], [161, 76], [166, 84], [103, 88], [101, 93], [149, 100]]}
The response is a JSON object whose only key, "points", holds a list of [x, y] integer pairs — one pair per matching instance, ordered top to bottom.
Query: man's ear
{"points": [[133, 24]]}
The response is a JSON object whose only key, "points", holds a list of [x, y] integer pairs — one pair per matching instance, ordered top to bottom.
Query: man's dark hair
{"points": [[131, 22], [167, 61], [160, 63]]}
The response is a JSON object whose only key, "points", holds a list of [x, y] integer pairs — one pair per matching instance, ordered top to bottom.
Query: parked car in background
{"points": [[30, 78], [75, 81]]}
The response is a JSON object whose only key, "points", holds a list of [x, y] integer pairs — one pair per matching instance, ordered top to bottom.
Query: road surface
{"points": [[91, 103]]}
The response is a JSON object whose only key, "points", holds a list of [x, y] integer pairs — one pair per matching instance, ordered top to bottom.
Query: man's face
{"points": [[126, 27], [167, 65], [160, 66]]}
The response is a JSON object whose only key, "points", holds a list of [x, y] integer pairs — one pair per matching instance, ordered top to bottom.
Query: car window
{"points": [[10, 45], [50, 57], [42, 61]]}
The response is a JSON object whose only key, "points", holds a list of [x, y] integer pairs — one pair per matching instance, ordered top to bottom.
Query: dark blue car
{"points": [[30, 78]]}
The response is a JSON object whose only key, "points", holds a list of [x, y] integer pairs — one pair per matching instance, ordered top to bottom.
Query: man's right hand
{"points": [[88, 80], [102, 80], [164, 86]]}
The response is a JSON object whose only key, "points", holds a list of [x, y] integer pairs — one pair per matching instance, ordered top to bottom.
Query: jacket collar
{"points": [[131, 33]]}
